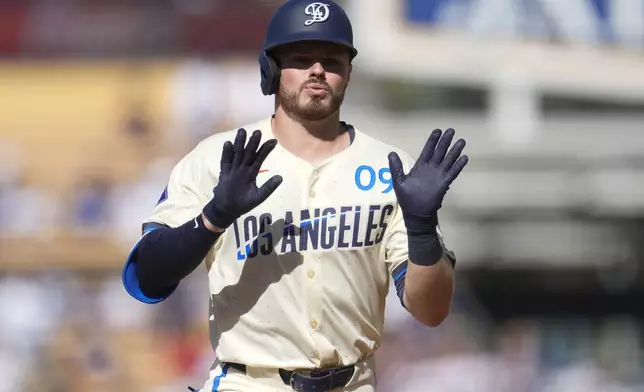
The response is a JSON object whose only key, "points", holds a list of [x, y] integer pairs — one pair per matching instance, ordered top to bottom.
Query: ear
{"points": [[349, 74]]}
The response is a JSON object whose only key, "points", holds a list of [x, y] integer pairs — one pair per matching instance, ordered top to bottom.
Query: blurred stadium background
{"points": [[99, 99]]}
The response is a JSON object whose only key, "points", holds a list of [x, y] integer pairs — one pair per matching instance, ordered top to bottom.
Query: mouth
{"points": [[316, 88]]}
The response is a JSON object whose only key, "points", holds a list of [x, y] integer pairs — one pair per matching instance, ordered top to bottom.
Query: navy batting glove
{"points": [[237, 192], [420, 193]]}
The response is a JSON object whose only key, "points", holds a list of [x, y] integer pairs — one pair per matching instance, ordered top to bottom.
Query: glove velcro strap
{"points": [[217, 217], [420, 224], [425, 249]]}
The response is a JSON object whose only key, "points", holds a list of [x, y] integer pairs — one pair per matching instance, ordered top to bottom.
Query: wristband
{"points": [[217, 217], [421, 225], [425, 249]]}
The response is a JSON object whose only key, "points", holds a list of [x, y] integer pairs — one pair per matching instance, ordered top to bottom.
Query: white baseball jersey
{"points": [[300, 281]]}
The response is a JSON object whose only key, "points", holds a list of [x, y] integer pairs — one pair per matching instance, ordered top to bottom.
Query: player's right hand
{"points": [[237, 192]]}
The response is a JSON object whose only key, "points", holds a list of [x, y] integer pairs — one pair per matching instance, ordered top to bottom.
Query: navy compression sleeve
{"points": [[166, 255]]}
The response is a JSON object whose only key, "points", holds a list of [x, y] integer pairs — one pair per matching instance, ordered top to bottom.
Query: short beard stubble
{"points": [[314, 110]]}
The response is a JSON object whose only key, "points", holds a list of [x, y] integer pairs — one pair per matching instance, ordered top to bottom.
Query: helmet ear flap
{"points": [[270, 73]]}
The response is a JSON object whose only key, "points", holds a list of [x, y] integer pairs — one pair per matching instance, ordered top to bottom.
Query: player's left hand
{"points": [[420, 193]]}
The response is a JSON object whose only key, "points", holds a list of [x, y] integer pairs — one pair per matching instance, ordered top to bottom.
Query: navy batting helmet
{"points": [[302, 20]]}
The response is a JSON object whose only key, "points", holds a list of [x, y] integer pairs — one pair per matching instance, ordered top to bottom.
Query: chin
{"points": [[315, 100], [315, 111], [309, 115]]}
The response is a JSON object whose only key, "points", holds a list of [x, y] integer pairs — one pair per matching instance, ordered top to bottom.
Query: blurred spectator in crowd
{"points": [[91, 196], [25, 210], [31, 307]]}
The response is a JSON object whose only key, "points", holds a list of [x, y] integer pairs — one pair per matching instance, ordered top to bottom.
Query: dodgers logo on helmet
{"points": [[319, 12]]}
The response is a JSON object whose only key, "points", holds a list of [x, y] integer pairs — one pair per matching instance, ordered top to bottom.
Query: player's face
{"points": [[314, 79]]}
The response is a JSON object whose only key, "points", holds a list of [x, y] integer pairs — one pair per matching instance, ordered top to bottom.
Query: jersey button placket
{"points": [[313, 179], [313, 267], [315, 275], [314, 290]]}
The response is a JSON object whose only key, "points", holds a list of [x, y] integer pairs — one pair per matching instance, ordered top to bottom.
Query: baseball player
{"points": [[302, 221]]}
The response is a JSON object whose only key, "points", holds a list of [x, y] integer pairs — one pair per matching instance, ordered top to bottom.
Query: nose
{"points": [[317, 71]]}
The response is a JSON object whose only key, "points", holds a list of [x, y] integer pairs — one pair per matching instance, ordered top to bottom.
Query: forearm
{"points": [[167, 255], [429, 285], [429, 290]]}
